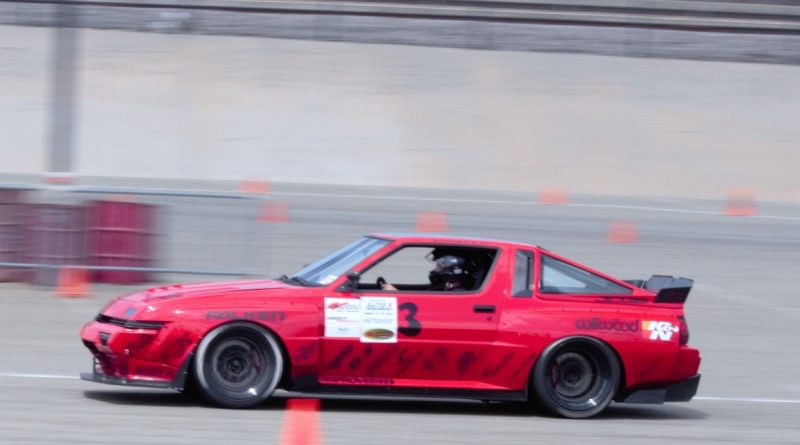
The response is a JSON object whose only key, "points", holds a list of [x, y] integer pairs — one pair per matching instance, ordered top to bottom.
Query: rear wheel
{"points": [[238, 365], [576, 377]]}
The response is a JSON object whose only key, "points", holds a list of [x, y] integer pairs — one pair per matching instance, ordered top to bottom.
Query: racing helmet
{"points": [[446, 269]]}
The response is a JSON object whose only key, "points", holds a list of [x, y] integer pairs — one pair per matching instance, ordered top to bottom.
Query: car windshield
{"points": [[329, 268]]}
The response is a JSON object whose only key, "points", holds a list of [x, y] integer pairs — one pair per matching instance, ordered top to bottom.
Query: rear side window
{"points": [[523, 274], [558, 277]]}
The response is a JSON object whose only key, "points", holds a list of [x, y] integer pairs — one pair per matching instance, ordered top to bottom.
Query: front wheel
{"points": [[238, 365], [577, 377]]}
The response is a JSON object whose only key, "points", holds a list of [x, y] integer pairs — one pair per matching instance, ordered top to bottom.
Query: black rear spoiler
{"points": [[668, 289]]}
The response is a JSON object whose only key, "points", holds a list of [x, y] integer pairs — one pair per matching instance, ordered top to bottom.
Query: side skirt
{"points": [[500, 396]]}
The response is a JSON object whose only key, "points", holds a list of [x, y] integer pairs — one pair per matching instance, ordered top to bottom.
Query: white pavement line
{"points": [[404, 198], [527, 203], [38, 376], [746, 399]]}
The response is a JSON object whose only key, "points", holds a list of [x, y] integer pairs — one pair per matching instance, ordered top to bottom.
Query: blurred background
{"points": [[243, 100], [157, 141]]}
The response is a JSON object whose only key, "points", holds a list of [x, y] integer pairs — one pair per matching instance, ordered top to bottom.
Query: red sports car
{"points": [[410, 315]]}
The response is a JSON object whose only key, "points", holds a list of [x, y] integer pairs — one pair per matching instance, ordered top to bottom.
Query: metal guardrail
{"points": [[765, 16], [126, 269]]}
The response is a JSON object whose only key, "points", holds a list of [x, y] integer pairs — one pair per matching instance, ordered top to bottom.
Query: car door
{"points": [[441, 339]]}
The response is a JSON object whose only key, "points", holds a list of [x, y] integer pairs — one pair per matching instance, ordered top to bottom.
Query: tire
{"points": [[238, 365], [576, 377]]}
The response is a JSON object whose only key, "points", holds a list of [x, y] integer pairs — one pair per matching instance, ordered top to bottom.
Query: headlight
{"points": [[129, 324]]}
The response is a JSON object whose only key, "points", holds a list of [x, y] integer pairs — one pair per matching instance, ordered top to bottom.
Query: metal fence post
{"points": [[63, 77]]}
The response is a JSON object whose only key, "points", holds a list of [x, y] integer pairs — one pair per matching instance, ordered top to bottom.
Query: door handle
{"points": [[486, 308]]}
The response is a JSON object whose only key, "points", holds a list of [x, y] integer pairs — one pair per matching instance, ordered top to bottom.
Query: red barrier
{"points": [[13, 234], [122, 235], [58, 236]]}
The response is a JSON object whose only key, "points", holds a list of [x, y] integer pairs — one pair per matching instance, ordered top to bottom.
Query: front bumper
{"points": [[135, 357], [98, 377], [676, 392]]}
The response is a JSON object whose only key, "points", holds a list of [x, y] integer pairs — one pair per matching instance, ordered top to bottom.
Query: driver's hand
{"points": [[388, 286]]}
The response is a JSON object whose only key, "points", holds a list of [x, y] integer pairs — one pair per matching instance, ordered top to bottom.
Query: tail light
{"points": [[684, 330]]}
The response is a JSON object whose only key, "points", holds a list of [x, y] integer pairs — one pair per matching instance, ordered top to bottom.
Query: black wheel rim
{"points": [[240, 367], [579, 380]]}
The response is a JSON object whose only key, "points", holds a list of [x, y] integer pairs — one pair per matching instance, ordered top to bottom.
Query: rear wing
{"points": [[668, 289]]}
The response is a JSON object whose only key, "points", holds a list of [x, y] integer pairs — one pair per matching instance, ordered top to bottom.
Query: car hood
{"points": [[185, 291], [164, 302]]}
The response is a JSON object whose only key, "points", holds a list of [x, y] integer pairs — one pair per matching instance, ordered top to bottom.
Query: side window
{"points": [[407, 266], [431, 268], [523, 274], [558, 277]]}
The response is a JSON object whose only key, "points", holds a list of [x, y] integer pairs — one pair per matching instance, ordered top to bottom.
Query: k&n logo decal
{"points": [[659, 330]]}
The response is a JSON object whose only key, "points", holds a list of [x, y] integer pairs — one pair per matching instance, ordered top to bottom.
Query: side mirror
{"points": [[352, 280]]}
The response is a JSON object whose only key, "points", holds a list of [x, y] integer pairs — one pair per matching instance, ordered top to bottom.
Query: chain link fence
{"points": [[127, 235]]}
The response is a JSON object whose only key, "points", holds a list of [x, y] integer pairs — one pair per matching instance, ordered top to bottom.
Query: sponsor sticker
{"points": [[342, 317], [370, 319], [379, 320], [610, 324], [658, 330], [378, 334]]}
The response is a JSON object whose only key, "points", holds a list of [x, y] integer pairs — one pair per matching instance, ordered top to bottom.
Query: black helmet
{"points": [[447, 269]]}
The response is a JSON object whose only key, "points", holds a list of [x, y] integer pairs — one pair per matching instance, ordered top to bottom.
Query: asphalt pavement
{"points": [[743, 315]]}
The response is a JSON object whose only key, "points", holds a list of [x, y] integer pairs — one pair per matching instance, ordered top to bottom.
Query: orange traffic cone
{"points": [[59, 178], [255, 187], [553, 196], [741, 202], [274, 212], [431, 222], [622, 232], [72, 282], [301, 425]]}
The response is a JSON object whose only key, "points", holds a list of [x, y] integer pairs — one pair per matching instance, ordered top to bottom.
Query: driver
{"points": [[448, 274]]}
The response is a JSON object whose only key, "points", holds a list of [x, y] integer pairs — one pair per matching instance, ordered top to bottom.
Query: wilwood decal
{"points": [[600, 324]]}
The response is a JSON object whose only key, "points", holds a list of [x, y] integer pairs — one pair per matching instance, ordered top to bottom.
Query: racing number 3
{"points": [[414, 327]]}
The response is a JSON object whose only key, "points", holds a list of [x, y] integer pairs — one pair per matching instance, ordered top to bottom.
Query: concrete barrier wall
{"points": [[187, 106]]}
